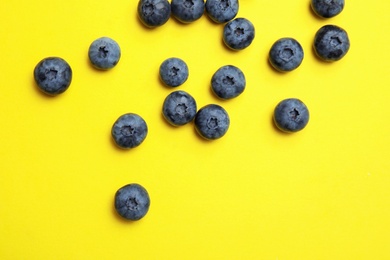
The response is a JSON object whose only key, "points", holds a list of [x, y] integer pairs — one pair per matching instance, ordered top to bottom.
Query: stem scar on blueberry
{"points": [[188, 3], [224, 4], [148, 9], [239, 31], [103, 51], [286, 54], [174, 71], [50, 74], [228, 80], [181, 109], [294, 114], [212, 123], [128, 130], [132, 204]]}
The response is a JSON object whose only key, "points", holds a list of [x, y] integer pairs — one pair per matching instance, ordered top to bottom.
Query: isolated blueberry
{"points": [[327, 8], [187, 11], [222, 11], [154, 13], [238, 33], [331, 43], [104, 53], [286, 54], [173, 72], [53, 75], [228, 82], [179, 108], [291, 115], [212, 121], [129, 131], [132, 201]]}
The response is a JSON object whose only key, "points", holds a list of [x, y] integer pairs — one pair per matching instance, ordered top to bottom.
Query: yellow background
{"points": [[256, 193]]}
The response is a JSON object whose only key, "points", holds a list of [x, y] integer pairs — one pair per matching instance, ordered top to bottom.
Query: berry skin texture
{"points": [[327, 8], [187, 11], [222, 11], [154, 13], [238, 34], [331, 43], [104, 53], [286, 54], [173, 72], [53, 75], [228, 82], [179, 108], [291, 115], [212, 122], [129, 131], [132, 201]]}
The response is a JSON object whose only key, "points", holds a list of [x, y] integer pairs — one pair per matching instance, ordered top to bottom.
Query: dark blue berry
{"points": [[327, 8], [187, 11], [222, 11], [154, 13], [238, 33], [331, 43], [104, 53], [286, 54], [173, 72], [53, 75], [228, 82], [179, 108], [291, 115], [212, 121], [129, 131], [132, 201]]}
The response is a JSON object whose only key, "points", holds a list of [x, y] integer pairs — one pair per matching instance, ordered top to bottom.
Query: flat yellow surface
{"points": [[256, 193]]}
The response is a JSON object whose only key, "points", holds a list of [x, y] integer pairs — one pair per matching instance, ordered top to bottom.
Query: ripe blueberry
{"points": [[327, 8], [187, 11], [222, 11], [154, 13], [238, 33], [331, 43], [104, 53], [286, 54], [173, 72], [53, 75], [228, 82], [179, 108], [291, 115], [212, 121], [129, 131], [132, 201]]}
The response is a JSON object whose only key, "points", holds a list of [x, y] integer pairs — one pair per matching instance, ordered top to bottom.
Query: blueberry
{"points": [[327, 8], [187, 11], [222, 11], [154, 13], [238, 33], [331, 43], [104, 53], [286, 54], [173, 72], [53, 75], [228, 82], [179, 108], [291, 115], [212, 121], [129, 131], [132, 201]]}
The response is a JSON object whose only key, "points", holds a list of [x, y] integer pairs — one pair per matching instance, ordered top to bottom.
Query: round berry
{"points": [[327, 8], [187, 11], [222, 11], [154, 13], [238, 34], [104, 53], [286, 54], [173, 72], [53, 75], [228, 82], [179, 108], [291, 115], [212, 121], [129, 131], [132, 201]]}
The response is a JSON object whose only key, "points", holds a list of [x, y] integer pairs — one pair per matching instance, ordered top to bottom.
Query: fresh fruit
{"points": [[327, 8], [187, 11], [222, 11], [154, 13], [238, 34], [331, 43], [104, 53], [286, 54], [173, 72], [53, 75], [228, 82], [179, 108], [291, 115], [212, 121], [129, 131], [132, 201]]}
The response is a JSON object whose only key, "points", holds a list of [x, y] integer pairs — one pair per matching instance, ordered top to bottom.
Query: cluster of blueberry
{"points": [[53, 76]]}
